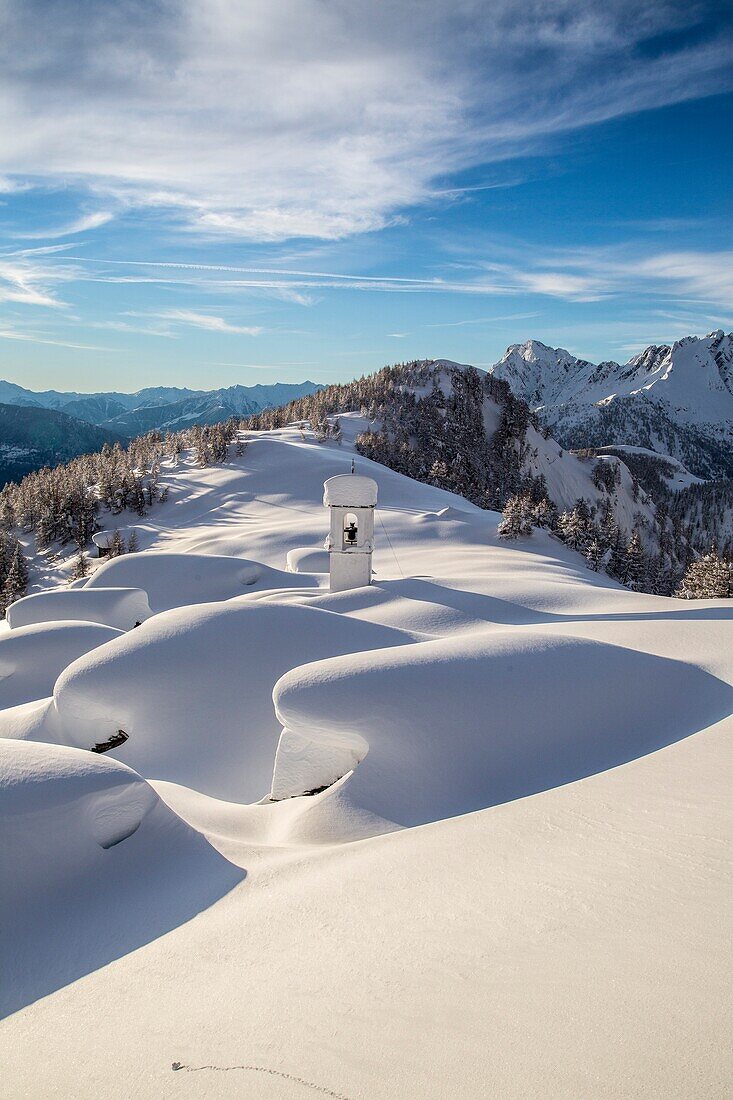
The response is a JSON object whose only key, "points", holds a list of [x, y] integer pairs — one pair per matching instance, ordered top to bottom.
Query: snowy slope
{"points": [[678, 397], [677, 478], [517, 891]]}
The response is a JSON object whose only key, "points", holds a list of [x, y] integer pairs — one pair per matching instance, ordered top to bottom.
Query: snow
{"points": [[691, 380], [568, 478], [681, 478], [350, 490], [308, 559], [172, 579], [119, 606], [32, 657], [157, 684], [514, 713], [98, 863], [516, 886]]}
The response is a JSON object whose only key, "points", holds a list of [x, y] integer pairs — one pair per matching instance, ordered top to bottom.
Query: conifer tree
{"points": [[544, 513], [516, 518], [572, 530], [117, 545], [594, 555], [632, 564], [81, 566], [708, 578], [16, 581]]}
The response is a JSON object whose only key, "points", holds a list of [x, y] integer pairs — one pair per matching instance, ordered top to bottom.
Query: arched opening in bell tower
{"points": [[351, 529]]}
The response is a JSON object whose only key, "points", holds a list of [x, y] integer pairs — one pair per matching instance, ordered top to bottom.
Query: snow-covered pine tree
{"points": [[439, 474], [544, 514], [516, 518], [573, 530], [133, 544], [117, 545], [594, 554], [617, 558], [633, 564], [80, 569], [708, 578], [16, 581]]}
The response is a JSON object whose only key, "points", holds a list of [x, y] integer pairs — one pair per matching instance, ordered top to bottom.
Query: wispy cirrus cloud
{"points": [[313, 118], [80, 225], [592, 274], [573, 275], [704, 276], [36, 278], [29, 280], [206, 321], [40, 338]]}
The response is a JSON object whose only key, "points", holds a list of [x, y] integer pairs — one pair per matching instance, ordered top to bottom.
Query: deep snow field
{"points": [[516, 882]]}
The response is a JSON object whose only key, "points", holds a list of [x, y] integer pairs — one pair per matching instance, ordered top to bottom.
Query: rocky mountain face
{"points": [[674, 399]]}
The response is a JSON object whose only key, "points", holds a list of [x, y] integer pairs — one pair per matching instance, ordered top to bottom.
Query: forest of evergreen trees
{"points": [[64, 505]]}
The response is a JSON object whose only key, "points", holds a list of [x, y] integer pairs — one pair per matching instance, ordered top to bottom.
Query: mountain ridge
{"points": [[676, 399], [116, 409], [75, 423], [32, 437]]}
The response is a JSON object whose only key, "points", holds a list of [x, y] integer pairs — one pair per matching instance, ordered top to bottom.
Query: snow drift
{"points": [[308, 559], [172, 580], [120, 607], [32, 657], [192, 689], [448, 727], [119, 866]]}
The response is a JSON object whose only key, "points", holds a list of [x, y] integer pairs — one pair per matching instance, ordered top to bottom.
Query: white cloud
{"points": [[269, 121], [10, 186], [80, 225], [591, 274], [705, 276], [25, 280], [556, 284], [207, 321], [37, 338]]}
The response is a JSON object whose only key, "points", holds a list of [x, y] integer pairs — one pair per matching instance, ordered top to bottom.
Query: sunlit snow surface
{"points": [[515, 885]]}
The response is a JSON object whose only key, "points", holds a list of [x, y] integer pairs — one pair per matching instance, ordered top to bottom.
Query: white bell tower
{"points": [[351, 500]]}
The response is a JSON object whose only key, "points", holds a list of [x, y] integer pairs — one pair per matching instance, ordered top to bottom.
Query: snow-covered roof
{"points": [[350, 489], [103, 539]]}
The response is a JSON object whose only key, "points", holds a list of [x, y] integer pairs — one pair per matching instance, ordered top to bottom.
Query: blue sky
{"points": [[205, 193]]}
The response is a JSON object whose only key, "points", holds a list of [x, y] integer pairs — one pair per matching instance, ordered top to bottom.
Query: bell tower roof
{"points": [[350, 490]]}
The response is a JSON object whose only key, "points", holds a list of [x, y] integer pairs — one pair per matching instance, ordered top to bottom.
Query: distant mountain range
{"points": [[673, 399], [158, 406], [40, 428]]}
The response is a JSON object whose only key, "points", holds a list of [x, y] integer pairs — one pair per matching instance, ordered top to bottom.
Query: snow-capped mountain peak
{"points": [[676, 398]]}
